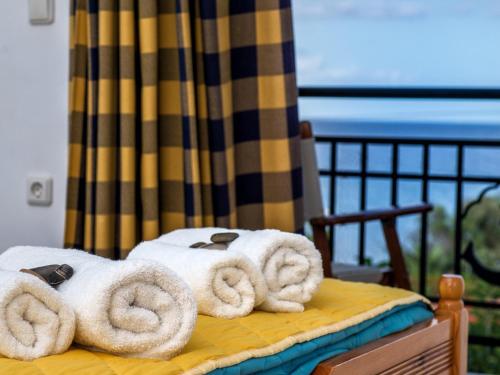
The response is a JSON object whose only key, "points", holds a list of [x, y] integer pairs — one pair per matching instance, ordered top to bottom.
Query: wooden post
{"points": [[451, 306]]}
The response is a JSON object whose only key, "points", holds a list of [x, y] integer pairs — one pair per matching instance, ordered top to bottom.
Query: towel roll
{"points": [[290, 263], [225, 284], [130, 308], [34, 320]]}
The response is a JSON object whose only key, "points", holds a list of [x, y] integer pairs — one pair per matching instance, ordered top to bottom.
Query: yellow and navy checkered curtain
{"points": [[183, 113]]}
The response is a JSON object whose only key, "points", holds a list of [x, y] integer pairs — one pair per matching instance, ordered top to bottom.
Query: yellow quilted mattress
{"points": [[219, 343]]}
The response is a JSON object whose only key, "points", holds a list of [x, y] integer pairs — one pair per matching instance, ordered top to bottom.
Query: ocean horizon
{"points": [[437, 129]]}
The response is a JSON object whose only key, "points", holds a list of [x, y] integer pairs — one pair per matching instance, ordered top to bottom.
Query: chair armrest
{"points": [[370, 215]]}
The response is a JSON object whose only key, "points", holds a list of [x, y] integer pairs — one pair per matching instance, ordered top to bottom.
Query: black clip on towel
{"points": [[220, 241], [53, 274]]}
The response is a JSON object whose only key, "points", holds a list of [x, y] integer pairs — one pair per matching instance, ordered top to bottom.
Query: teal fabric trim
{"points": [[301, 359]]}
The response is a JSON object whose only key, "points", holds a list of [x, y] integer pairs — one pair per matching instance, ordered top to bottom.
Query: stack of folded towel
{"points": [[289, 262], [146, 306], [132, 308]]}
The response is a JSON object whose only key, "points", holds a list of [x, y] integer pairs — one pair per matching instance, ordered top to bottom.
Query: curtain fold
{"points": [[183, 113]]}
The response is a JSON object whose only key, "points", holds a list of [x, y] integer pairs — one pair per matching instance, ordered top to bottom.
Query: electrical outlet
{"points": [[39, 191]]}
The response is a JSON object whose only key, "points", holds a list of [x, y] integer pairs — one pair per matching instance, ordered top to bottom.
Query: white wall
{"points": [[33, 122]]}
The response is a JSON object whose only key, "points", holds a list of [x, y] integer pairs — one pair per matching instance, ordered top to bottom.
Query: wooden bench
{"points": [[430, 348]]}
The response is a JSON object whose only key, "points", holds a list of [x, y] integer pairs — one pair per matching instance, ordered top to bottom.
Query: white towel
{"points": [[290, 263], [225, 284], [131, 308], [34, 320]]}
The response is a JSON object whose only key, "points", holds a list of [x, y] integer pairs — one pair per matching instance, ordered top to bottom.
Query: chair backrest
{"points": [[313, 202]]}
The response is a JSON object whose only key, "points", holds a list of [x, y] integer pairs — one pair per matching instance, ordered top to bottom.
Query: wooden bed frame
{"points": [[430, 348]]}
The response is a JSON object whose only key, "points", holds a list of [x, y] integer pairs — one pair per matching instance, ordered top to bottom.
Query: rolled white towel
{"points": [[290, 263], [225, 284], [131, 308], [34, 320]]}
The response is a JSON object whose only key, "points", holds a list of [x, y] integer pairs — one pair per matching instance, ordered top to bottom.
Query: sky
{"points": [[400, 43], [436, 43]]}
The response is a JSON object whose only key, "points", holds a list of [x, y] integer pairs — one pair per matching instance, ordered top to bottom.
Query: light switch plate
{"points": [[41, 11], [39, 190]]}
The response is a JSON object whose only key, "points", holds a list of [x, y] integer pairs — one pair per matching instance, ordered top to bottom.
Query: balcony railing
{"points": [[491, 181]]}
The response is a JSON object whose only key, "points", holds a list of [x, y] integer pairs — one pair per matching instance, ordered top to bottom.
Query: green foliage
{"points": [[482, 227]]}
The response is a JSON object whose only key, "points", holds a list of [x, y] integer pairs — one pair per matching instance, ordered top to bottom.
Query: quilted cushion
{"points": [[218, 343]]}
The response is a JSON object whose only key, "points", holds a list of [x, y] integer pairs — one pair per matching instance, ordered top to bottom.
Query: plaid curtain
{"points": [[183, 113]]}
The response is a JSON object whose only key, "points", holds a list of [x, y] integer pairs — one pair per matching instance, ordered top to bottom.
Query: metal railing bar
{"points": [[399, 92], [486, 143], [394, 174], [408, 176], [362, 187], [333, 193], [479, 199], [458, 210], [423, 223], [484, 340]]}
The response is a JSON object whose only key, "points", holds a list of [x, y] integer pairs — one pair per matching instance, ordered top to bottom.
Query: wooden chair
{"points": [[397, 274]]}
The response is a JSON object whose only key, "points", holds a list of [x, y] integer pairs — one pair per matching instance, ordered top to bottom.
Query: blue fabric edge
{"points": [[302, 358]]}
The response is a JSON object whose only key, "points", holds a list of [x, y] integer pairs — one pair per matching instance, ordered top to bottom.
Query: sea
{"points": [[478, 161]]}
